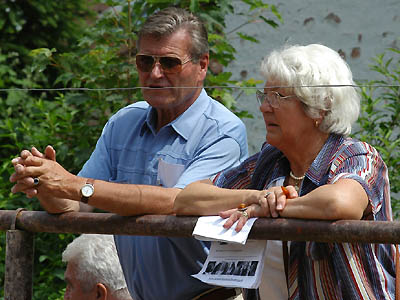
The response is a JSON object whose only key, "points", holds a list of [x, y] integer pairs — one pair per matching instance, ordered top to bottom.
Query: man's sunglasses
{"points": [[169, 64]]}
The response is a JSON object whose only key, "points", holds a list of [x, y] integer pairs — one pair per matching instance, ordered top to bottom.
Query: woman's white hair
{"points": [[301, 68], [96, 260]]}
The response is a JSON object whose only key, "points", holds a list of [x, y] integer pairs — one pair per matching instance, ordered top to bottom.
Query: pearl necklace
{"points": [[298, 179]]}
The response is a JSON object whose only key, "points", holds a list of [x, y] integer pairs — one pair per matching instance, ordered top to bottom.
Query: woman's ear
{"points": [[318, 121], [101, 291]]}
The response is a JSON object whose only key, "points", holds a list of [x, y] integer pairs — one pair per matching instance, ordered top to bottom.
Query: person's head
{"points": [[168, 21], [172, 52], [314, 74], [93, 269]]}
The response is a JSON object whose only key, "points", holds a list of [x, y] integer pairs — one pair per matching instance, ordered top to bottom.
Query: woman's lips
{"points": [[269, 124]]}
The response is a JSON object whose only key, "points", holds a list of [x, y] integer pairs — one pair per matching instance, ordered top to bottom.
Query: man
{"points": [[156, 148], [93, 270]]}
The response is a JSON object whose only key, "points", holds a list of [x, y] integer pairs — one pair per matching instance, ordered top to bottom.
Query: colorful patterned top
{"points": [[330, 270]]}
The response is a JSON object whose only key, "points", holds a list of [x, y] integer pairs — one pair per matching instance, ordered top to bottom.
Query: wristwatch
{"points": [[87, 190]]}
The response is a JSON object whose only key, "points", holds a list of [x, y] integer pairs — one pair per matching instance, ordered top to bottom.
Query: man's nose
{"points": [[157, 71]]}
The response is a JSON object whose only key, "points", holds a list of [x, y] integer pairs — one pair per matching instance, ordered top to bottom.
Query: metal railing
{"points": [[21, 225]]}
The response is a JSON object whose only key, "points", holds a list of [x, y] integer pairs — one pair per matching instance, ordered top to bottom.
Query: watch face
{"points": [[87, 190]]}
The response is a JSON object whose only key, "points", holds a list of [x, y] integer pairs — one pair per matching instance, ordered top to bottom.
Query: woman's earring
{"points": [[316, 123]]}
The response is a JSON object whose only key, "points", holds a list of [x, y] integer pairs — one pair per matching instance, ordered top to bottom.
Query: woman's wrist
{"points": [[254, 197]]}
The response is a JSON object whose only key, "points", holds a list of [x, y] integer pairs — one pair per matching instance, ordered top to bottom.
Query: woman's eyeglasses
{"points": [[169, 64], [273, 98]]}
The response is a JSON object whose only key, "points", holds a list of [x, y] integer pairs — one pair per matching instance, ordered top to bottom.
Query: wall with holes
{"points": [[357, 29]]}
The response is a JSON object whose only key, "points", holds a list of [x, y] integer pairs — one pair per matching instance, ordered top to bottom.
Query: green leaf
{"points": [[269, 22], [247, 37], [42, 51], [14, 98], [42, 258]]}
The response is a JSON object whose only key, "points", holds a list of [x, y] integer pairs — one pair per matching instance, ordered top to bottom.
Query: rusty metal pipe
{"points": [[6, 219], [159, 225]]}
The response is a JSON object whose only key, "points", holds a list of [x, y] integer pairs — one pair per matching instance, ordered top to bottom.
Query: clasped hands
{"points": [[53, 180], [265, 203]]}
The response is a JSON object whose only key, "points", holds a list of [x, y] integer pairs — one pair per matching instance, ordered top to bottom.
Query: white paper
{"points": [[168, 174], [211, 229], [234, 265]]}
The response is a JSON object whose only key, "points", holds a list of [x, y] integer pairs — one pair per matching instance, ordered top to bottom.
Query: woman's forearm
{"points": [[203, 198], [345, 199]]}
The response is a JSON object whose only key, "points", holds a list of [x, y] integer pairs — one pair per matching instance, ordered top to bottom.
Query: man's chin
{"points": [[151, 89], [150, 94], [159, 100]]}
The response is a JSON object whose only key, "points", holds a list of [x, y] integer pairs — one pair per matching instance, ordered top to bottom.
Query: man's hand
{"points": [[52, 179], [27, 182]]}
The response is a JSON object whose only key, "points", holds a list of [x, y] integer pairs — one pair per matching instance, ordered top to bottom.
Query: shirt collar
{"points": [[150, 121], [187, 121], [184, 124], [321, 164]]}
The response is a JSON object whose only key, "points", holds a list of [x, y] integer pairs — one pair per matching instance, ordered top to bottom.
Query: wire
{"points": [[191, 87]]}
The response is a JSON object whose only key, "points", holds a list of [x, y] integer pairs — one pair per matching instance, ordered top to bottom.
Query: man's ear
{"points": [[204, 61], [101, 291]]}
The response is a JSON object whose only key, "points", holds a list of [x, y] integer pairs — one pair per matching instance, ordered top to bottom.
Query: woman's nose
{"points": [[265, 106]]}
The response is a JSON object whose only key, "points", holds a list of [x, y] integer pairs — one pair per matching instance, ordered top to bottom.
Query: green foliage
{"points": [[32, 24], [26, 25], [47, 44], [30, 118], [380, 118]]}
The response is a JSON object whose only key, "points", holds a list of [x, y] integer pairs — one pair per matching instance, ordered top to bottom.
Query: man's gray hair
{"points": [[169, 20], [303, 68], [96, 260]]}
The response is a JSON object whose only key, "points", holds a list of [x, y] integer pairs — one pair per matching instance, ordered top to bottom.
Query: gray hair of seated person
{"points": [[169, 20], [302, 69], [96, 260]]}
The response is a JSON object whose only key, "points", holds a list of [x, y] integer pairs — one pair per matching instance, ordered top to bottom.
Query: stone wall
{"points": [[357, 29]]}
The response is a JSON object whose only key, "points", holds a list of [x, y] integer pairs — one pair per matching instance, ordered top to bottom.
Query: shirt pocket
{"points": [[169, 173], [130, 175]]}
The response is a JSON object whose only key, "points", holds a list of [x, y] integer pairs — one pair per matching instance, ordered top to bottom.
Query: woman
{"points": [[309, 104]]}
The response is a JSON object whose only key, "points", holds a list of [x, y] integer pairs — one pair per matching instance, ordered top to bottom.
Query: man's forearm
{"points": [[132, 199]]}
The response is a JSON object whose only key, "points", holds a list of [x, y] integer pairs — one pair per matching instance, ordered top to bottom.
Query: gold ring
{"points": [[267, 194], [242, 207], [245, 214]]}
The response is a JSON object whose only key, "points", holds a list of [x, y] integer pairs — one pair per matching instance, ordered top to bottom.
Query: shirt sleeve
{"points": [[222, 154], [361, 162], [98, 166]]}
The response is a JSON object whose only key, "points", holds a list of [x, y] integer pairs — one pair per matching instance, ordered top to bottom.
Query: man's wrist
{"points": [[87, 190]]}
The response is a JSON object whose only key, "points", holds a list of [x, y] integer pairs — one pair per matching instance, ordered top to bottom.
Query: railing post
{"points": [[19, 265]]}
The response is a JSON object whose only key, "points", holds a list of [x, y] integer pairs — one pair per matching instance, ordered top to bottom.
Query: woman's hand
{"points": [[269, 204]]}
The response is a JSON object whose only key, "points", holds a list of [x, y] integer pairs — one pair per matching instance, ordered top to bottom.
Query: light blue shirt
{"points": [[204, 140]]}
